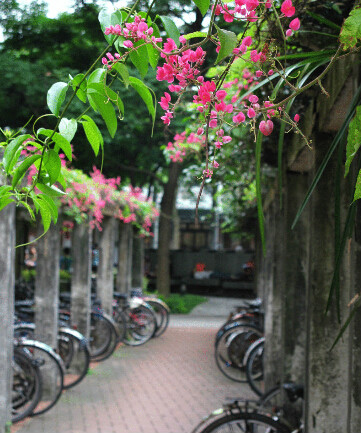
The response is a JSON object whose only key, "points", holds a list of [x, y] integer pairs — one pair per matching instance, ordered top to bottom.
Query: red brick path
{"points": [[164, 386]]}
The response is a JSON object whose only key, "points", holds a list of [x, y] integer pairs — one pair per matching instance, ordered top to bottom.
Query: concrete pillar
{"points": [[123, 257], [130, 260], [138, 262], [7, 272], [81, 278], [105, 279], [47, 285], [273, 294], [327, 372]]}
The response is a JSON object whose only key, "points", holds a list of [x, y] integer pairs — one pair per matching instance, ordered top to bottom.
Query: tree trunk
{"points": [[165, 230], [123, 257], [138, 262]]}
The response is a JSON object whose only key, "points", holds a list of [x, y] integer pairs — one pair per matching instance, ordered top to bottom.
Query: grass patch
{"points": [[182, 304]]}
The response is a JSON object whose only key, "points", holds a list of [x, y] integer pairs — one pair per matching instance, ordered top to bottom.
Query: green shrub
{"points": [[182, 304]]}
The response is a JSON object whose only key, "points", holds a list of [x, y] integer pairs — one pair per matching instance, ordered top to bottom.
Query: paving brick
{"points": [[164, 386]]}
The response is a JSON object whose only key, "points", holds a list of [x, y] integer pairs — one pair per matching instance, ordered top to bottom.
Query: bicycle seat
{"points": [[118, 295], [294, 391]]}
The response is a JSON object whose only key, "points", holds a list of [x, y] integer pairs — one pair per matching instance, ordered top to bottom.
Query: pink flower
{"points": [[251, 4], [287, 8], [295, 24], [289, 32], [182, 40], [247, 41], [128, 44], [169, 46], [255, 56], [270, 72], [259, 73], [221, 94], [253, 99], [164, 101], [251, 113], [239, 118], [296, 118], [213, 123], [266, 127], [200, 131], [227, 139], [218, 144], [215, 164]]}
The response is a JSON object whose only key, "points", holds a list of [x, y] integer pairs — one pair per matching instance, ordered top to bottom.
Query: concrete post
{"points": [[123, 257], [129, 260], [138, 262], [7, 271], [81, 278], [105, 279], [47, 285], [327, 372]]}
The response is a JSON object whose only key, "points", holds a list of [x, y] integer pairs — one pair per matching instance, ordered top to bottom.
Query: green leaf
{"points": [[202, 5], [105, 20], [323, 20], [170, 28], [351, 29], [195, 35], [228, 42], [153, 55], [140, 59], [122, 71], [97, 76], [81, 92], [144, 93], [56, 96], [115, 99], [101, 104], [67, 128], [92, 133], [353, 139], [59, 140], [9, 159], [52, 165], [23, 167], [4, 190], [51, 191], [357, 194], [4, 201], [52, 205], [45, 212], [347, 322]]}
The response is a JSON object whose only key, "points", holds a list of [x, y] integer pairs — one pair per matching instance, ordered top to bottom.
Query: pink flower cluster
{"points": [[183, 145]]}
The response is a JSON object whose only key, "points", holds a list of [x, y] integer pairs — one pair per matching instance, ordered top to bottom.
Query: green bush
{"points": [[182, 304]]}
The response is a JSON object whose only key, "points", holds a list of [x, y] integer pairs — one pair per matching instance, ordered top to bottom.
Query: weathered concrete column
{"points": [[123, 257], [130, 260], [138, 262], [7, 272], [81, 278], [105, 278], [47, 285], [273, 293], [327, 372]]}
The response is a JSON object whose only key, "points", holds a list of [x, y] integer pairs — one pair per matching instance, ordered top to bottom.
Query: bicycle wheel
{"points": [[161, 311], [121, 323], [141, 325], [100, 334], [105, 336], [231, 349], [73, 350], [254, 367], [51, 368], [26, 385], [284, 401], [244, 422]]}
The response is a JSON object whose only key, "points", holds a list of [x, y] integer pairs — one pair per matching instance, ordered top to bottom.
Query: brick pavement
{"points": [[164, 386]]}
